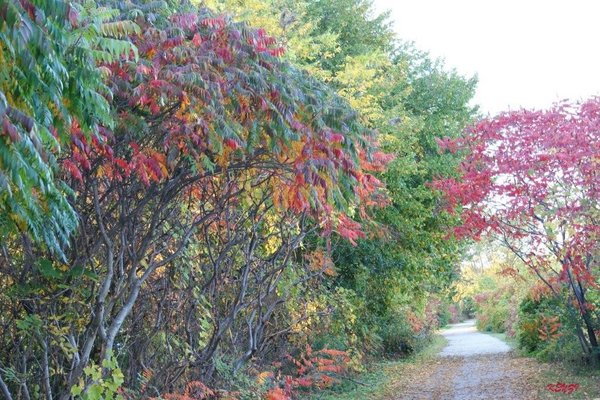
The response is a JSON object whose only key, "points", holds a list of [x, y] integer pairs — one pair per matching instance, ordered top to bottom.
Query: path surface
{"points": [[464, 341], [472, 366]]}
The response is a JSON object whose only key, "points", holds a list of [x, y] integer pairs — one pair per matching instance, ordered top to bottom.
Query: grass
{"points": [[376, 382]]}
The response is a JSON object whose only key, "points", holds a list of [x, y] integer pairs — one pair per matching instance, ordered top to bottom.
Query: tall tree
{"points": [[410, 100], [422, 103]]}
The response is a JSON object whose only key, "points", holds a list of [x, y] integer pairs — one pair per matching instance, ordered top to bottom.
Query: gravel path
{"points": [[465, 341], [472, 366]]}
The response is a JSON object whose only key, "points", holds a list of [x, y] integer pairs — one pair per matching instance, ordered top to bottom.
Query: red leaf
{"points": [[197, 40], [231, 143], [73, 170]]}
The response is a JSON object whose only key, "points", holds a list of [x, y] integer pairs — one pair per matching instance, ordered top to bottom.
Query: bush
{"points": [[467, 308], [494, 309], [449, 313], [445, 316], [529, 324], [546, 330], [408, 331], [398, 338]]}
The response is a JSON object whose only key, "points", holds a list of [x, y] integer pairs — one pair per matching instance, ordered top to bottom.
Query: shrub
{"points": [[467, 308], [494, 310], [445, 316], [546, 330], [398, 337]]}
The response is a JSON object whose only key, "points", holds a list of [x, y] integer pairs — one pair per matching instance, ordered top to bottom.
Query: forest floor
{"points": [[464, 364]]}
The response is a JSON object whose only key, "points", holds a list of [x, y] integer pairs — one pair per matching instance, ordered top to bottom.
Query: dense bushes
{"points": [[226, 227], [511, 301], [494, 310], [531, 312], [411, 329], [548, 331]]}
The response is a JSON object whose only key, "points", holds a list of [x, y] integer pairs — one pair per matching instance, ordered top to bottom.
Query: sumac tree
{"points": [[216, 143], [531, 179]]}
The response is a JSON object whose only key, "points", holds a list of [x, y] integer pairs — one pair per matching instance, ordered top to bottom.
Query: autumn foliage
{"points": [[198, 86], [217, 151], [531, 180], [177, 187], [310, 370]]}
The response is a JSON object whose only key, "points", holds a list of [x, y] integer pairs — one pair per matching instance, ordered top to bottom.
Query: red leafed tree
{"points": [[221, 160], [532, 180]]}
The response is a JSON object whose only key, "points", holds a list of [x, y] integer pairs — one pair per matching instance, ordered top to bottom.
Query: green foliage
{"points": [[357, 30], [49, 81], [410, 100], [411, 256], [467, 307], [539, 314], [493, 315], [445, 316], [528, 336], [399, 337], [100, 382]]}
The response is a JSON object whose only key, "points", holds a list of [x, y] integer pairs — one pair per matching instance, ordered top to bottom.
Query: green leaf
{"points": [[48, 271], [77, 389], [95, 392]]}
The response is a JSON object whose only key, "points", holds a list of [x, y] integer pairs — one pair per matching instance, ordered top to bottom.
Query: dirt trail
{"points": [[472, 366]]}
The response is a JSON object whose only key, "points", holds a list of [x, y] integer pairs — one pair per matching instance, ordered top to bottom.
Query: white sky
{"points": [[527, 53]]}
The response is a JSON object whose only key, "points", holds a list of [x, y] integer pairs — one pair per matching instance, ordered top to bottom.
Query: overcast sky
{"points": [[526, 53]]}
